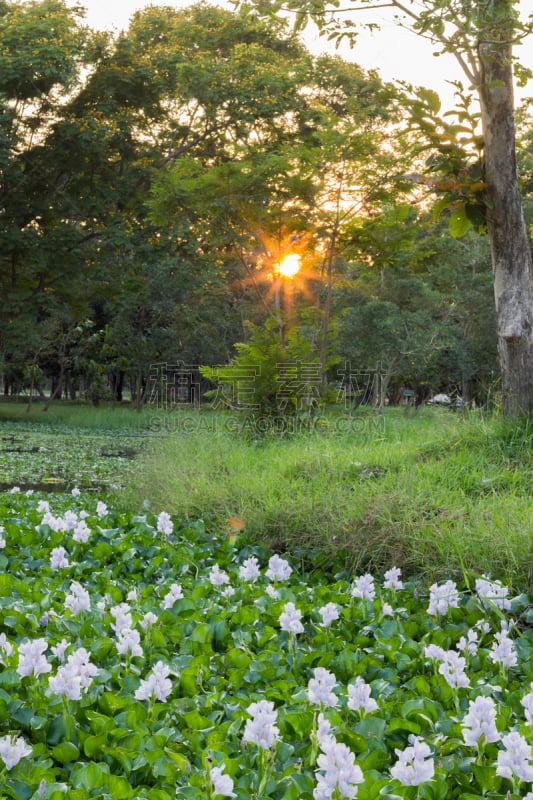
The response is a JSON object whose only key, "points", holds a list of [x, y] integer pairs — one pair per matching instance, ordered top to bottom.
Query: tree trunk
{"points": [[510, 246]]}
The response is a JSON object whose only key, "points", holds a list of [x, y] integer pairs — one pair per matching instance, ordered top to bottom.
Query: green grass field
{"points": [[438, 494]]}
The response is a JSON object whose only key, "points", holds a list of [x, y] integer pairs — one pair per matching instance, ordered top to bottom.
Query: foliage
{"points": [[269, 377], [433, 493], [217, 633]]}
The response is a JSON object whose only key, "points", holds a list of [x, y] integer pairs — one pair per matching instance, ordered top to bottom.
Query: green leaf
{"points": [[459, 223], [65, 752]]}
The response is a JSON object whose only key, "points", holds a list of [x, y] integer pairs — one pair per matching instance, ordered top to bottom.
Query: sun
{"points": [[289, 266]]}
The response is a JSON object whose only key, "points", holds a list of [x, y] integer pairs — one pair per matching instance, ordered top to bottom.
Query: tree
{"points": [[480, 35]]}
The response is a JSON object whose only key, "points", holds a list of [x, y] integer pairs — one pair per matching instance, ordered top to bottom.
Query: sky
{"points": [[396, 54]]}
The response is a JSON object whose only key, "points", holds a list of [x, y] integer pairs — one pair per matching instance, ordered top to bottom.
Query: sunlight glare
{"points": [[289, 266]]}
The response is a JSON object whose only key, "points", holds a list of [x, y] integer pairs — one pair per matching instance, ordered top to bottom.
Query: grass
{"points": [[437, 494]]}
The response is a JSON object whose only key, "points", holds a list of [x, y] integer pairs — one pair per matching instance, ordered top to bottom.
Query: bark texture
{"points": [[510, 244]]}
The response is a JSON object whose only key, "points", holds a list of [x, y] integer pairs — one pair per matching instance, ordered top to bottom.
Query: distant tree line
{"points": [[153, 180]]}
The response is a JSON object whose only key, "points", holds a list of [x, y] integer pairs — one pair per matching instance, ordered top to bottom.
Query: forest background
{"points": [[154, 180]]}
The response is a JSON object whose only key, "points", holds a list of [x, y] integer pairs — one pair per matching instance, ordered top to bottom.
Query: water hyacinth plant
{"points": [[152, 659]]}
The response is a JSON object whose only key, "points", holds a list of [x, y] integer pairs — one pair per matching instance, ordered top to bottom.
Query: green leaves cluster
{"points": [[225, 650]]}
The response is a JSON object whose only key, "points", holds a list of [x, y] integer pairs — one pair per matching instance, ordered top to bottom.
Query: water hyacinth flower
{"points": [[75, 492], [101, 509], [164, 524], [82, 532], [2, 539], [58, 558], [249, 569], [278, 569], [217, 576], [392, 579], [364, 587], [272, 592], [175, 593], [492, 593], [441, 598], [78, 599], [329, 613], [122, 616], [290, 619], [148, 620], [129, 643], [469, 644], [6, 648], [59, 650], [502, 651], [31, 658], [452, 667], [157, 685], [320, 688], [359, 698], [527, 702], [479, 724], [261, 729], [323, 731], [12, 749], [514, 761], [415, 764], [338, 774], [222, 783]]}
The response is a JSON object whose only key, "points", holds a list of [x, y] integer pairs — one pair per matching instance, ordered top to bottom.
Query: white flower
{"points": [[14, 490], [75, 492], [43, 506], [101, 509], [70, 520], [164, 524], [81, 532], [2, 542], [58, 558], [249, 569], [278, 569], [218, 577], [392, 579], [364, 588], [229, 591], [175, 593], [272, 593], [492, 593], [131, 597], [441, 598], [78, 599], [387, 610], [329, 613], [122, 616], [289, 619], [148, 620], [128, 641], [469, 644], [5, 646], [59, 650], [502, 650], [434, 651], [31, 658], [452, 668], [66, 682], [157, 684], [320, 688], [359, 697], [527, 702], [480, 721], [261, 729], [323, 733], [12, 749], [515, 759], [414, 765], [338, 771], [222, 784]]}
